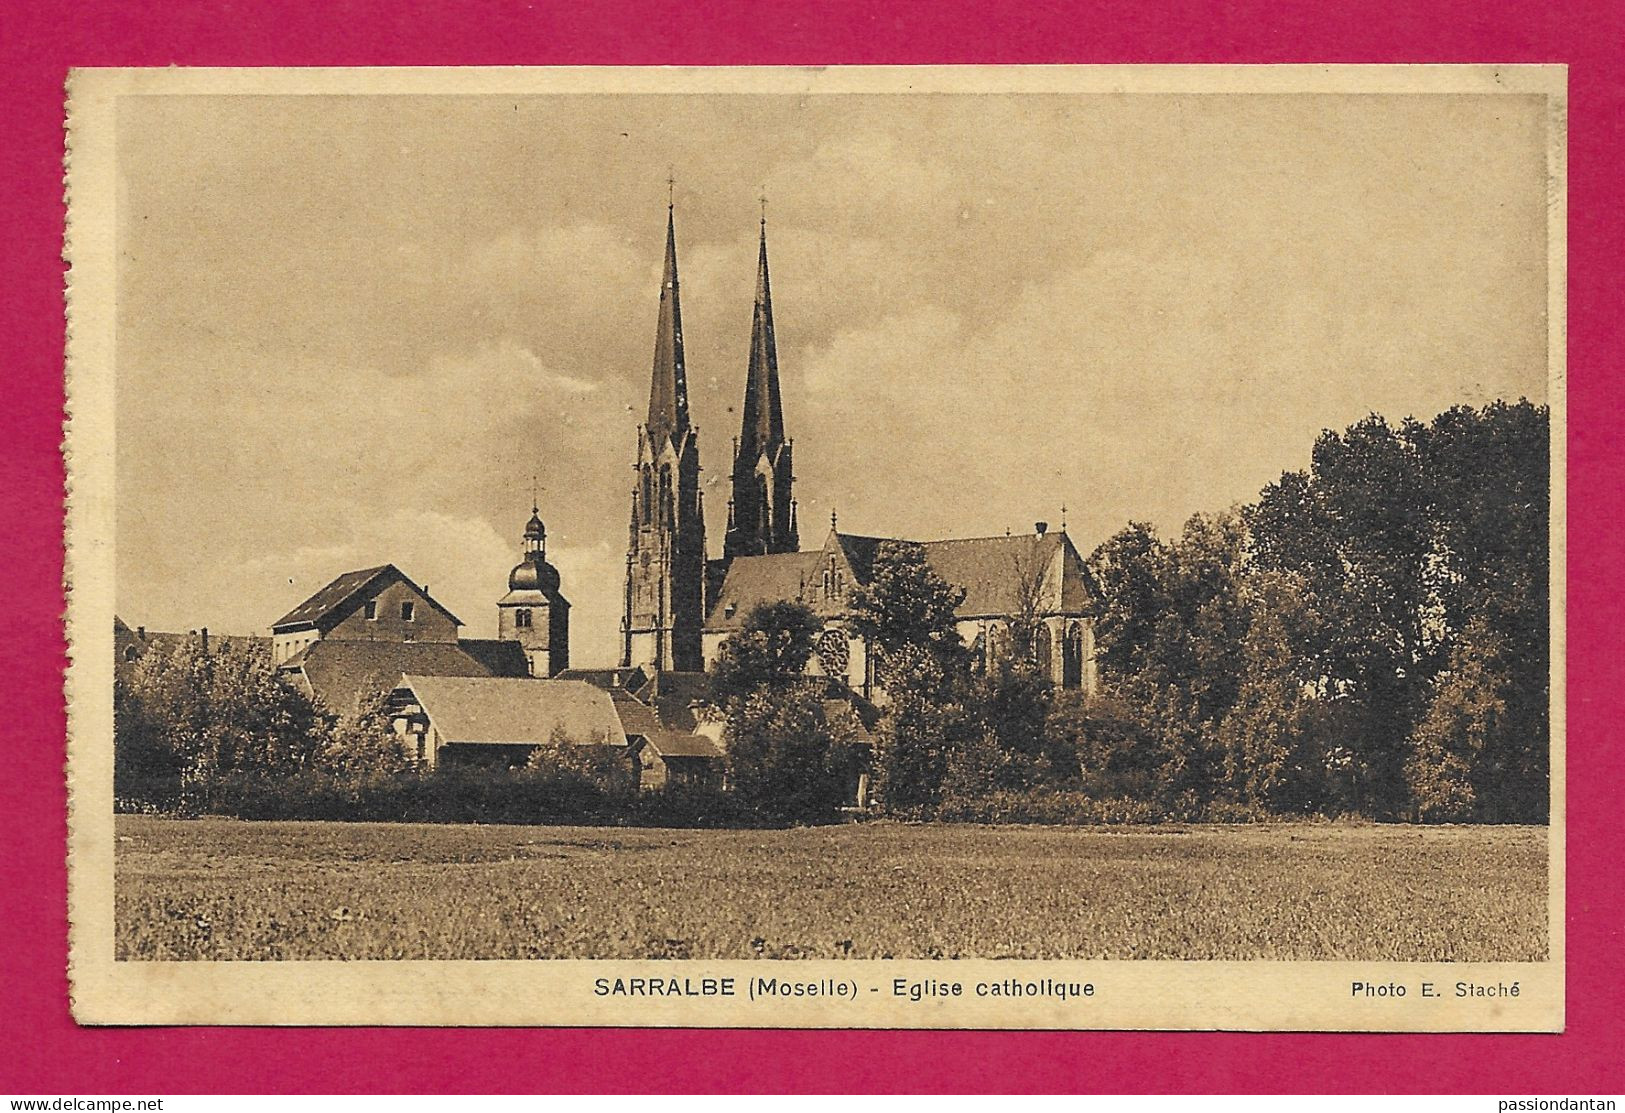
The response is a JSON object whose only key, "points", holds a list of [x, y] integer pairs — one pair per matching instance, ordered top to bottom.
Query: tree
{"points": [[1489, 473], [1355, 530], [1403, 537], [1028, 580], [906, 604], [1170, 622], [772, 647], [1014, 699], [198, 710], [927, 718], [1273, 736], [364, 742], [1115, 755], [783, 759], [1469, 759], [590, 763]]}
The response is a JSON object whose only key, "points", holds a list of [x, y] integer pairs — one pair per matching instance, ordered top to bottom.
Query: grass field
{"points": [[227, 889]]}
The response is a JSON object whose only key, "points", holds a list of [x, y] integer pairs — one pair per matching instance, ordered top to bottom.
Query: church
{"points": [[681, 606]]}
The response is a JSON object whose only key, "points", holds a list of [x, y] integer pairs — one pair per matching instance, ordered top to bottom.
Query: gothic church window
{"points": [[833, 653]]}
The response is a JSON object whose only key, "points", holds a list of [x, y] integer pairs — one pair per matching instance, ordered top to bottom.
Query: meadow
{"points": [[233, 889]]}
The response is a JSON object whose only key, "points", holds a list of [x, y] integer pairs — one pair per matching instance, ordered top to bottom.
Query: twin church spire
{"points": [[668, 386], [762, 513], [666, 567]]}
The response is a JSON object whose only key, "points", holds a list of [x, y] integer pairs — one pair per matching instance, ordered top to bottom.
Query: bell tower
{"points": [[762, 510], [665, 556], [535, 613]]}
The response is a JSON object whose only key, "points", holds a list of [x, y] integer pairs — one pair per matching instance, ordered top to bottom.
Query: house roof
{"points": [[340, 596], [143, 641], [501, 656], [343, 674], [630, 679], [674, 695], [504, 710], [637, 717], [672, 743]]}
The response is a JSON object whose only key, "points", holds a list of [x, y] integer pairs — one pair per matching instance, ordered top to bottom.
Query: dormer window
{"points": [[369, 610], [408, 612]]}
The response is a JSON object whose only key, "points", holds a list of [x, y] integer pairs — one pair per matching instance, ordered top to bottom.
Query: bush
{"points": [[449, 794], [1048, 808]]}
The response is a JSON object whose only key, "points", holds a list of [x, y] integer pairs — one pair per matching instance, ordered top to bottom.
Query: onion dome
{"points": [[534, 574]]}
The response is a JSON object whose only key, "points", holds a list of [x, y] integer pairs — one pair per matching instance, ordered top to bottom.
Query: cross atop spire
{"points": [[671, 188], [668, 385]]}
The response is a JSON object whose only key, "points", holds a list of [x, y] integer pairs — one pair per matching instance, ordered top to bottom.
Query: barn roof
{"points": [[340, 596], [501, 656], [344, 673], [503, 710], [637, 717]]}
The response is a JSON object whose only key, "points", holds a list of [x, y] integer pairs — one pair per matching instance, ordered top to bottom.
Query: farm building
{"points": [[502, 720]]}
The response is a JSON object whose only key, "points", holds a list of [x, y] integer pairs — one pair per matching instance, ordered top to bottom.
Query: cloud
{"points": [[352, 330]]}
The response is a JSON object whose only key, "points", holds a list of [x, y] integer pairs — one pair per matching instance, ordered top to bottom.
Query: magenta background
{"points": [[45, 1053]]}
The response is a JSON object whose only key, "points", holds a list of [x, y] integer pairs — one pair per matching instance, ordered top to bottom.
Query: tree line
{"points": [[1369, 636]]}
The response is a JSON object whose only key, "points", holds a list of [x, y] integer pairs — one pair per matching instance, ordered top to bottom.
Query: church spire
{"points": [[668, 386], [762, 426], [763, 517], [665, 559]]}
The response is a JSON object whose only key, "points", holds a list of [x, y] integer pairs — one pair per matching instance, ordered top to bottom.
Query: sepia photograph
{"points": [[941, 547]]}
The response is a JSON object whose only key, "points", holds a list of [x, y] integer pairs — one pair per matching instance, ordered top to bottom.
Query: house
{"points": [[369, 604], [131, 644]]}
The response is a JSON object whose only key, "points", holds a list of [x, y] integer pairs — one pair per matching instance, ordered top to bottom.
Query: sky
{"points": [[352, 329]]}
